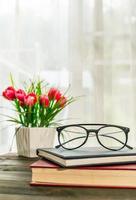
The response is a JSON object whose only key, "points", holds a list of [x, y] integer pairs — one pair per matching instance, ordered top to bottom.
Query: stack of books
{"points": [[85, 167]]}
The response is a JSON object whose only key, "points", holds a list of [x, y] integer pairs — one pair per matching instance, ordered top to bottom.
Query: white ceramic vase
{"points": [[29, 139]]}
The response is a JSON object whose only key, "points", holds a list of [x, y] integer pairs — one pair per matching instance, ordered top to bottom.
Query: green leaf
{"points": [[11, 80]]}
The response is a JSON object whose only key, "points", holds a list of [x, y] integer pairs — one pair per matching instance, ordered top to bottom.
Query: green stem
{"points": [[19, 109], [29, 116], [42, 116]]}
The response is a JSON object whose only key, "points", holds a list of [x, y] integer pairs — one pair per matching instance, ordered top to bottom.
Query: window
{"points": [[89, 42]]}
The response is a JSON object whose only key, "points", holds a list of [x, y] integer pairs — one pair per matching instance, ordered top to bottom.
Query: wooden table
{"points": [[15, 176]]}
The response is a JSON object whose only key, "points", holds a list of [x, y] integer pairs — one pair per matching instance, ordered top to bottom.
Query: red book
{"points": [[114, 176]]}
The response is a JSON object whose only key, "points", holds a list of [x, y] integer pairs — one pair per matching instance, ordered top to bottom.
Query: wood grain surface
{"points": [[15, 176]]}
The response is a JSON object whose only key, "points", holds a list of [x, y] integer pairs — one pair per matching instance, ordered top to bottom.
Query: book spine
{"points": [[37, 152], [80, 186]]}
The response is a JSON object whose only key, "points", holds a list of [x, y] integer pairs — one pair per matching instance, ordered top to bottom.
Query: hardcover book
{"points": [[87, 156], [114, 176]]}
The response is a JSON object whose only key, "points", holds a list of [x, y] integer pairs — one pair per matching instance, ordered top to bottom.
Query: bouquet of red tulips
{"points": [[36, 106]]}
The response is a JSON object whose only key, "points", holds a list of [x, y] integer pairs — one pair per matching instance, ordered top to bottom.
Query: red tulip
{"points": [[9, 93], [51, 93], [54, 94], [20, 95], [58, 95], [30, 99], [44, 100], [62, 101], [22, 103]]}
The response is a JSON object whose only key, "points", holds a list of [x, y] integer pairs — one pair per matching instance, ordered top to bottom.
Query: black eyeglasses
{"points": [[111, 137]]}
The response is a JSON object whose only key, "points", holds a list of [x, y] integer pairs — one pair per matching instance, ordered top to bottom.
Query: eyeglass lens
{"points": [[72, 137], [112, 137]]}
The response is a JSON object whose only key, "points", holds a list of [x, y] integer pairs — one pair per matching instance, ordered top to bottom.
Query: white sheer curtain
{"points": [[89, 44]]}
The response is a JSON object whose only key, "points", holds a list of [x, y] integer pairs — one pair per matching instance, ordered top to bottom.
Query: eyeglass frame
{"points": [[88, 131]]}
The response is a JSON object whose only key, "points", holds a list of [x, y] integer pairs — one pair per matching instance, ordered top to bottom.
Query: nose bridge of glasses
{"points": [[92, 131]]}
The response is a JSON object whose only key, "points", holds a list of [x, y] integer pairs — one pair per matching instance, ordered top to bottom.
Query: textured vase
{"points": [[29, 139]]}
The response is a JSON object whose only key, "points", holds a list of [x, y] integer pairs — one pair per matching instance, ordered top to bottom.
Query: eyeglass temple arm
{"points": [[69, 141], [57, 146], [129, 147]]}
